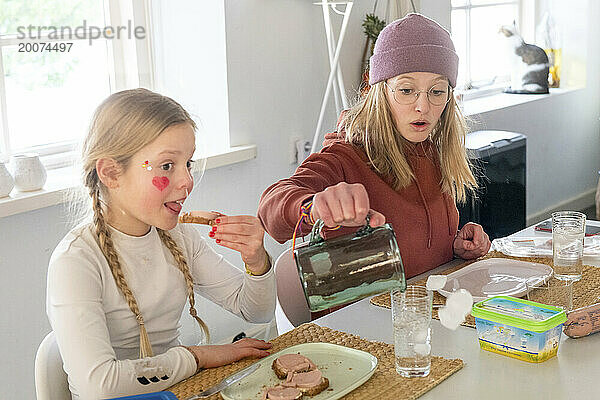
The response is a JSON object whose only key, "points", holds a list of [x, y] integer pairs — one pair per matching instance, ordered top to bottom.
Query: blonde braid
{"points": [[110, 253], [182, 264]]}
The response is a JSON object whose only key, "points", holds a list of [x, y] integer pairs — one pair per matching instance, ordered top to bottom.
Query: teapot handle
{"points": [[367, 228], [315, 233]]}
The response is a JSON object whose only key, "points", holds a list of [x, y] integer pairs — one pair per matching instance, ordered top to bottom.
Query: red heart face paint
{"points": [[160, 182]]}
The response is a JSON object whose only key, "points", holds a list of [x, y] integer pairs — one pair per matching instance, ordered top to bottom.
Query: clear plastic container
{"points": [[518, 328]]}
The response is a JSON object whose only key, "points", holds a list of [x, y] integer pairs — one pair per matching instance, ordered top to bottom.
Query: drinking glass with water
{"points": [[568, 230], [411, 317]]}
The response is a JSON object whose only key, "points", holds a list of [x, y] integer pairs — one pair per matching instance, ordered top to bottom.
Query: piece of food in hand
{"points": [[199, 217], [291, 363], [309, 383], [280, 392]]}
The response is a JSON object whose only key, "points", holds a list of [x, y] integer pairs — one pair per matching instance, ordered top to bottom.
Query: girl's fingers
{"points": [[343, 204], [346, 204], [361, 207], [335, 210], [321, 211], [237, 219], [376, 219], [238, 229], [242, 229], [242, 233], [477, 235], [230, 237], [248, 242], [232, 245], [468, 245], [252, 342], [250, 347], [252, 352]]}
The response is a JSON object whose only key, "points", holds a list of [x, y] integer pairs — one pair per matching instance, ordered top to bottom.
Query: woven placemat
{"points": [[585, 292], [384, 384]]}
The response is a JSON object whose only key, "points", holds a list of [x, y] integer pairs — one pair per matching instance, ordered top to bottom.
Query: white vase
{"points": [[28, 171], [7, 183]]}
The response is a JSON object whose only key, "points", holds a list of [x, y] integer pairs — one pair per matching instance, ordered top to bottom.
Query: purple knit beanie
{"points": [[414, 43]]}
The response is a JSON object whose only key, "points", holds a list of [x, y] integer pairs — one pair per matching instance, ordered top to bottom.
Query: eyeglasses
{"points": [[437, 95]]}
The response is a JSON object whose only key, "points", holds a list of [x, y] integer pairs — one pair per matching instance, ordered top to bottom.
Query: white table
{"points": [[572, 374]]}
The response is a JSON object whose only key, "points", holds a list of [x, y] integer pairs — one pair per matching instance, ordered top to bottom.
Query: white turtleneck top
{"points": [[98, 335]]}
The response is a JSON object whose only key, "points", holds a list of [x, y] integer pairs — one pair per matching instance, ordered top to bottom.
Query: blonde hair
{"points": [[122, 125], [370, 126]]}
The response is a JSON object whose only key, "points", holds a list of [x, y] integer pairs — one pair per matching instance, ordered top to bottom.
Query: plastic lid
{"points": [[524, 314]]}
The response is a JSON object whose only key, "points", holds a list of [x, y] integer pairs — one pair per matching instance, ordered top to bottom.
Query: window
{"points": [[475, 26], [58, 60], [190, 65]]}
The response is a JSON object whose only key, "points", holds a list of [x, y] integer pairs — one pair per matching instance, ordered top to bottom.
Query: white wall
{"points": [[277, 64], [563, 149], [27, 241]]}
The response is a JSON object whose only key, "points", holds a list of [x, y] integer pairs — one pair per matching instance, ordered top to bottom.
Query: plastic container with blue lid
{"points": [[519, 328]]}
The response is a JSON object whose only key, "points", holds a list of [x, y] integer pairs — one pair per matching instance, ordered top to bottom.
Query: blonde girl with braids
{"points": [[398, 155], [117, 285]]}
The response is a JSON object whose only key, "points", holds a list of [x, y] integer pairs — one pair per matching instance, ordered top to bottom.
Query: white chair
{"points": [[292, 308], [50, 378]]}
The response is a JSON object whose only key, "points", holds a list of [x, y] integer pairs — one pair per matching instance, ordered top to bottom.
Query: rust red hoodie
{"points": [[425, 219]]}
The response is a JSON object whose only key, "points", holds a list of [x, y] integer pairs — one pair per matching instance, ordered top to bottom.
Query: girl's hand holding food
{"points": [[243, 233]]}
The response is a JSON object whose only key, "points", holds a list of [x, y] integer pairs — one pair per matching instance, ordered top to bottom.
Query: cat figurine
{"points": [[530, 65]]}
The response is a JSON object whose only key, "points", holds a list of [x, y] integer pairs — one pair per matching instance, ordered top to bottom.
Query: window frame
{"points": [[130, 64], [501, 82]]}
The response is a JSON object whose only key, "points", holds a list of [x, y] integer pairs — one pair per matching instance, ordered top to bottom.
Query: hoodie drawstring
{"points": [[447, 200], [427, 212]]}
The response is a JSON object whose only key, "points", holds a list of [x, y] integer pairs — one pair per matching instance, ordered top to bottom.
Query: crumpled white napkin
{"points": [[458, 304]]}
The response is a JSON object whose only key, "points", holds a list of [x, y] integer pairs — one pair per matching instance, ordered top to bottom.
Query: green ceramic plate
{"points": [[345, 368]]}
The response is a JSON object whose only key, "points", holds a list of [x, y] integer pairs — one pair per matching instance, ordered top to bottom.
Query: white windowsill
{"points": [[498, 101], [60, 180]]}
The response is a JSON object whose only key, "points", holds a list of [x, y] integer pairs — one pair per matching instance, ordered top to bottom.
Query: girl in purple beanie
{"points": [[398, 155]]}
